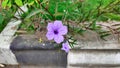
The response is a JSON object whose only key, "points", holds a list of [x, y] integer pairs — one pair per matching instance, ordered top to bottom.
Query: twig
{"points": [[19, 8], [46, 9], [15, 17], [113, 31]]}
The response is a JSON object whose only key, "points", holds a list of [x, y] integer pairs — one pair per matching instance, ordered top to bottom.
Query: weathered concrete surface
{"points": [[6, 37], [91, 40], [31, 42], [28, 50], [93, 52], [7, 57], [42, 58], [94, 58], [11, 66], [37, 66], [92, 67]]}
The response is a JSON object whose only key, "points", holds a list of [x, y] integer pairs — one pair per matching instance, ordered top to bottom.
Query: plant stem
{"points": [[19, 8], [46, 10], [15, 17]]}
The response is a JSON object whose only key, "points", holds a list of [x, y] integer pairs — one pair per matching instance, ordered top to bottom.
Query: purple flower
{"points": [[56, 31], [65, 47]]}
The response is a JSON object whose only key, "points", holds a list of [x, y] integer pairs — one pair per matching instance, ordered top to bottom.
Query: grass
{"points": [[5, 16]]}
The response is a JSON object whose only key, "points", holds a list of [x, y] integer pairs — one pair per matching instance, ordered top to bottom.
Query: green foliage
{"points": [[19, 2], [4, 3], [10, 3], [86, 10], [77, 11], [34, 12], [5, 16], [112, 16], [1, 18]]}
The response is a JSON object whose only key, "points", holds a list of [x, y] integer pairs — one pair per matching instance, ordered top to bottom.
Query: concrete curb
{"points": [[6, 37], [93, 58]]}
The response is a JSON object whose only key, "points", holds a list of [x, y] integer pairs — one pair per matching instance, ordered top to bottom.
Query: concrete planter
{"points": [[29, 51], [92, 52], [95, 53], [94, 58]]}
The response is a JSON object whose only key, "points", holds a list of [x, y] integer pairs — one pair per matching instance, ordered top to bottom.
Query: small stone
{"points": [[1, 65]]}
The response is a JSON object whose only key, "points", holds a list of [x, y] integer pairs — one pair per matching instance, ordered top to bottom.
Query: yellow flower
{"points": [[40, 40]]}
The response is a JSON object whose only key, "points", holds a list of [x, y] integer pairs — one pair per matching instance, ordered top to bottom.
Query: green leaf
{"points": [[44, 1], [19, 2], [31, 2], [4, 3], [9, 4], [36, 12], [58, 14], [112, 16], [1, 19], [93, 25], [104, 35]]}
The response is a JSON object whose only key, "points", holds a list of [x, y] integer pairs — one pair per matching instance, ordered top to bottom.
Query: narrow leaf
{"points": [[19, 2], [4, 3], [36, 12], [1, 19]]}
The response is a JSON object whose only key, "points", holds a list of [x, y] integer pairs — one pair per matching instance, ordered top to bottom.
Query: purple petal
{"points": [[58, 24], [50, 26], [63, 30], [50, 35], [58, 38], [65, 47], [66, 50]]}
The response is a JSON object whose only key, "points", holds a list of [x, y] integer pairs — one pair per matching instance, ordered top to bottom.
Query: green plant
{"points": [[77, 11], [78, 15], [5, 16]]}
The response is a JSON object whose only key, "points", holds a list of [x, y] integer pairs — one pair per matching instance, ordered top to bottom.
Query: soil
{"points": [[41, 31], [41, 34]]}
